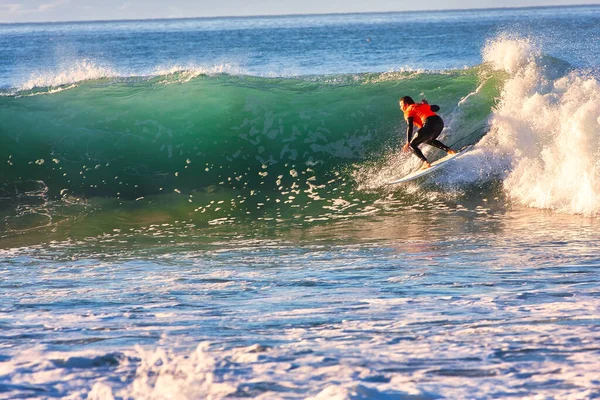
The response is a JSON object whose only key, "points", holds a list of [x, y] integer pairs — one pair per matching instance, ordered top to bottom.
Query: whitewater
{"points": [[198, 208]]}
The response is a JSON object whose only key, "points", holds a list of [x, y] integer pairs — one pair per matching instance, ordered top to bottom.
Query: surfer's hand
{"points": [[424, 101], [405, 148]]}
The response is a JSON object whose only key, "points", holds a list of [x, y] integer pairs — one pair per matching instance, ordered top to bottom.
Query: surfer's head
{"points": [[405, 101]]}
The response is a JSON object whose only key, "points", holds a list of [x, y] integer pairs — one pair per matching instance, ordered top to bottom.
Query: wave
{"points": [[129, 137], [229, 144], [214, 146]]}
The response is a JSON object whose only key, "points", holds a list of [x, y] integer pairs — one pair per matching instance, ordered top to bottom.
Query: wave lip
{"points": [[83, 70], [72, 74]]}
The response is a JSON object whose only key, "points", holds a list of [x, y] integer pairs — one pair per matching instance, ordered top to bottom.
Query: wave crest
{"points": [[83, 70]]}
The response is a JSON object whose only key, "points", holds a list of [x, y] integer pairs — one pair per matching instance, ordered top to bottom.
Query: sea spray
{"points": [[547, 130]]}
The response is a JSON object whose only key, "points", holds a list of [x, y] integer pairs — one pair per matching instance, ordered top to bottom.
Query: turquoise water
{"points": [[198, 208]]}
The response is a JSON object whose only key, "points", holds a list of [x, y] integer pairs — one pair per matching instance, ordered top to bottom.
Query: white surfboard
{"points": [[434, 165]]}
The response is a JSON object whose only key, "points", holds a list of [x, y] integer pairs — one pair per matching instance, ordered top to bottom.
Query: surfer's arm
{"points": [[409, 129], [409, 134]]}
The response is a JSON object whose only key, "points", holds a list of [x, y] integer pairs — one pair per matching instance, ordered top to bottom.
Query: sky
{"points": [[80, 10]]}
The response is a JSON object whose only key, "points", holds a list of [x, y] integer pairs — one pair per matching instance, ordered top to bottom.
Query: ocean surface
{"points": [[198, 208]]}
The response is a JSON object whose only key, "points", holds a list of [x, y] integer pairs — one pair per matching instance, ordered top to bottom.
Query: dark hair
{"points": [[407, 100]]}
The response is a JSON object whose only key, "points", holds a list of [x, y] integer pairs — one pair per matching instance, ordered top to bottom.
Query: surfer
{"points": [[430, 126]]}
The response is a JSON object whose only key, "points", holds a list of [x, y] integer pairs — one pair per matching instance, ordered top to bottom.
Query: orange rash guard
{"points": [[419, 113]]}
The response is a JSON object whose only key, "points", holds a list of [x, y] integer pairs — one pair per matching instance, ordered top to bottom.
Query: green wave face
{"points": [[132, 138]]}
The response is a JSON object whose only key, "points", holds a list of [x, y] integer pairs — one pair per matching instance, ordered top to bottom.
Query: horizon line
{"points": [[300, 14]]}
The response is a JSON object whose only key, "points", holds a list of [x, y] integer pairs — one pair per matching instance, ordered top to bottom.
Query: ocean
{"points": [[198, 208]]}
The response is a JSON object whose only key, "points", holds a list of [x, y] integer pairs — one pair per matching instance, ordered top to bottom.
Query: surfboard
{"points": [[434, 166]]}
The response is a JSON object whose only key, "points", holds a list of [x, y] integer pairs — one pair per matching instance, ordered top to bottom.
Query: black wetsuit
{"points": [[432, 128]]}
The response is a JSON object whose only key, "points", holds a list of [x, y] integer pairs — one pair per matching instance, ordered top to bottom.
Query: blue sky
{"points": [[76, 10]]}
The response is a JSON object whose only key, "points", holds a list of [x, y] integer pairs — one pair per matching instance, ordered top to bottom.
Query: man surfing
{"points": [[430, 126]]}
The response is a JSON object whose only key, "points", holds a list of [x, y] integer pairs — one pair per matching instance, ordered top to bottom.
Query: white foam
{"points": [[548, 130]]}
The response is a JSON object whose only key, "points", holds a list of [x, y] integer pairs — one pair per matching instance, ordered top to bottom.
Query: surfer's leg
{"points": [[434, 126], [419, 138], [440, 145], [417, 152]]}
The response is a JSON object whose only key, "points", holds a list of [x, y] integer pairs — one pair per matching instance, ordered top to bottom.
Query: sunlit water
{"points": [[285, 267], [462, 304]]}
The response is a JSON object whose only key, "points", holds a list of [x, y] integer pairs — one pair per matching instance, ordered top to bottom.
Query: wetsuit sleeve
{"points": [[434, 108], [409, 129]]}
